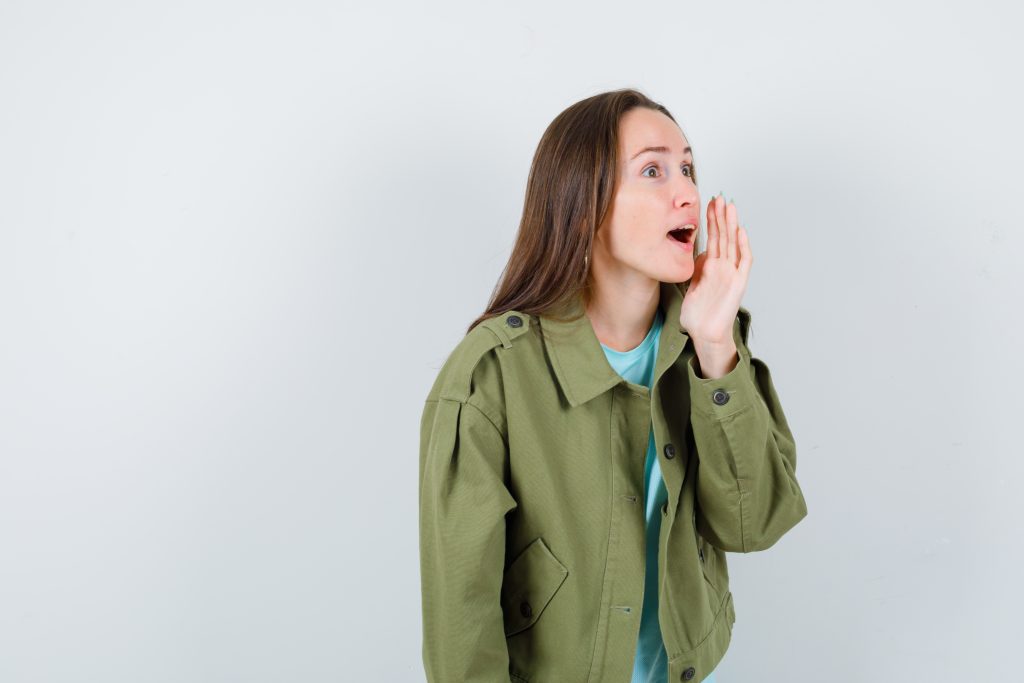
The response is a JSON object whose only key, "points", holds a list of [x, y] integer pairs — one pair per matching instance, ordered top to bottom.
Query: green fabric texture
{"points": [[531, 520]]}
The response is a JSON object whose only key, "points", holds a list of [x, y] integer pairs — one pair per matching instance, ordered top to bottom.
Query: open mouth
{"points": [[685, 234]]}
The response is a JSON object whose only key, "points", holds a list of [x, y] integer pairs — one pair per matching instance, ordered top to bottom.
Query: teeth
{"points": [[688, 226]]}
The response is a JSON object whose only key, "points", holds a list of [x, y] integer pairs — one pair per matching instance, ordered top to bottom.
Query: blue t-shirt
{"points": [[637, 366]]}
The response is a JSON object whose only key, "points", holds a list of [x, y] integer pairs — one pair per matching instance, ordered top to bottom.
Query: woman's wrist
{"points": [[716, 360]]}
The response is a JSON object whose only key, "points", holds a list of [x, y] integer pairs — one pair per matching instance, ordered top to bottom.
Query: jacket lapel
{"points": [[580, 365]]}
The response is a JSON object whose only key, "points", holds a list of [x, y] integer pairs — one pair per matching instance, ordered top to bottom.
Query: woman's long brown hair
{"points": [[569, 191]]}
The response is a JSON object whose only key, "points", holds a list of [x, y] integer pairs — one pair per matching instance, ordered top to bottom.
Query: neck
{"points": [[622, 311]]}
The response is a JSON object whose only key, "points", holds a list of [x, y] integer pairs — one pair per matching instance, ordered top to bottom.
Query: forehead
{"points": [[641, 127]]}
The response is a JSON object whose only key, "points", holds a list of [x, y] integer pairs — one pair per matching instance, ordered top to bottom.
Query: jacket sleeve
{"points": [[747, 492], [462, 502]]}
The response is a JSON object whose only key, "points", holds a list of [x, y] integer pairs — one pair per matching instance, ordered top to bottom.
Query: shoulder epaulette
{"points": [[507, 326], [501, 329]]}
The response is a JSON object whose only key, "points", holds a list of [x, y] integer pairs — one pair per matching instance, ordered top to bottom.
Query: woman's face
{"points": [[655, 194]]}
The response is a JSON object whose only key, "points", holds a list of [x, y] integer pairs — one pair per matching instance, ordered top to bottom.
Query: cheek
{"points": [[637, 221], [629, 234], [635, 243]]}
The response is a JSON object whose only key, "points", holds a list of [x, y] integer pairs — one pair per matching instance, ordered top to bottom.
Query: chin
{"points": [[674, 269], [678, 273]]}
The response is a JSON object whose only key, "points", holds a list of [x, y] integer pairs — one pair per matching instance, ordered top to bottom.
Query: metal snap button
{"points": [[514, 321], [720, 397], [670, 451], [525, 609], [688, 673]]}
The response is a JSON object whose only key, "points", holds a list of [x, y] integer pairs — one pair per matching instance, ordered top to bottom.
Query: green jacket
{"points": [[532, 525]]}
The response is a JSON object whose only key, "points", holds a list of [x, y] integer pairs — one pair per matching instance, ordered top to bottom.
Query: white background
{"points": [[238, 239]]}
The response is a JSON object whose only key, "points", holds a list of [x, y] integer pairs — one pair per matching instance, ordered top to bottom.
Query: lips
{"points": [[684, 233]]}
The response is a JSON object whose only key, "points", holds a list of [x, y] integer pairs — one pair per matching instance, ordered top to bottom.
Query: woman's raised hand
{"points": [[719, 281]]}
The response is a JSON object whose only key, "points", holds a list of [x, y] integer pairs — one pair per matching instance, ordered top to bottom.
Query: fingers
{"points": [[732, 224], [723, 227], [724, 231], [718, 237], [726, 238], [712, 250], [746, 257]]}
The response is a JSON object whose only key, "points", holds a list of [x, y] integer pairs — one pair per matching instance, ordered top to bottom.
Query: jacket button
{"points": [[514, 321], [720, 397], [670, 451], [525, 609], [688, 673]]}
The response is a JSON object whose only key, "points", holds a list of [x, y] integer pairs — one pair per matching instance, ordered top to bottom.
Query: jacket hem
{"points": [[704, 658]]}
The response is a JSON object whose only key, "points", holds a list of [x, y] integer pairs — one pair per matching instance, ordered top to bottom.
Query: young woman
{"points": [[602, 436]]}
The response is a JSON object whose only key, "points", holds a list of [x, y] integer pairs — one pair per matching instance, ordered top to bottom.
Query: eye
{"points": [[683, 167]]}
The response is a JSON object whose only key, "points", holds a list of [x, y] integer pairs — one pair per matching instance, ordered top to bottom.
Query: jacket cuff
{"points": [[732, 393]]}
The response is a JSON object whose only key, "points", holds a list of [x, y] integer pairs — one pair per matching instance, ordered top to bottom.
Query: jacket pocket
{"points": [[707, 557], [709, 564], [529, 583]]}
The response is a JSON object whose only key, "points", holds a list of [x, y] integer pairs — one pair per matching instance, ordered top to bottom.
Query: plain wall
{"points": [[238, 240]]}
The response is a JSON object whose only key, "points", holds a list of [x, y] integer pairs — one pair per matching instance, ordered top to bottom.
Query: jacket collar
{"points": [[580, 365]]}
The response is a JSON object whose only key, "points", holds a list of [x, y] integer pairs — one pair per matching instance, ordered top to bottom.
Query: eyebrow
{"points": [[660, 150]]}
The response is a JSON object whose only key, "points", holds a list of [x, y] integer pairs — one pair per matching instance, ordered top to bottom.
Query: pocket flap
{"points": [[529, 584]]}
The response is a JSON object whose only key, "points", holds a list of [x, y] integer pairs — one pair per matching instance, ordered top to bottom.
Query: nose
{"points": [[685, 191]]}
